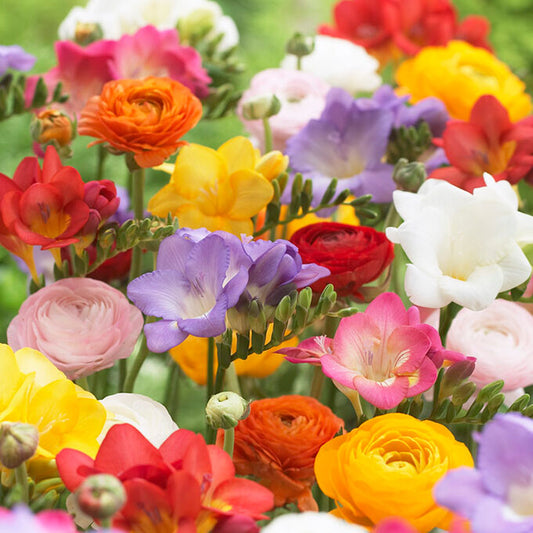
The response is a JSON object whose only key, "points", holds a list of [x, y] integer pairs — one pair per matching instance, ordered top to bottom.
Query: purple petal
{"points": [[15, 57], [376, 181], [173, 253], [309, 274], [211, 324], [163, 335], [460, 490], [492, 515]]}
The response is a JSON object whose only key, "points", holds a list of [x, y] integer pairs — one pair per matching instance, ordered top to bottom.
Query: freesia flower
{"points": [[15, 57], [353, 69], [445, 71], [302, 96], [487, 142], [219, 189], [464, 248], [199, 276], [64, 321], [500, 337], [385, 354], [35, 392], [148, 416], [277, 444], [387, 467], [182, 484], [495, 496], [311, 522]]}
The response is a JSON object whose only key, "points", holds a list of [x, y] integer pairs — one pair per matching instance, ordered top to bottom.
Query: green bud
{"points": [[87, 32], [300, 45], [41, 93], [261, 107], [409, 176], [305, 297], [284, 309], [256, 317], [454, 376], [490, 390], [462, 393], [495, 403], [520, 403], [225, 409], [18, 443], [101, 496]]}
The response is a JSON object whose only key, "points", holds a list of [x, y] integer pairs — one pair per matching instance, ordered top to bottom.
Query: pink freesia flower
{"points": [[82, 325], [385, 354]]}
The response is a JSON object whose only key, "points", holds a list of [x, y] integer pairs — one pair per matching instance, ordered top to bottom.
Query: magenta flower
{"points": [[385, 354]]}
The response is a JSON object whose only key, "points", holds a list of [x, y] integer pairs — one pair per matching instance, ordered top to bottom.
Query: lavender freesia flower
{"points": [[15, 57], [199, 276], [497, 496]]}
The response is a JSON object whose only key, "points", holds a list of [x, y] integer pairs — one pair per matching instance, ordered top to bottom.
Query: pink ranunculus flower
{"points": [[302, 97], [82, 325], [500, 337], [385, 354]]}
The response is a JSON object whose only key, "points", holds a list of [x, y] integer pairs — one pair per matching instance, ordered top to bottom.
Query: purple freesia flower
{"points": [[15, 57], [347, 142], [199, 276], [497, 496]]}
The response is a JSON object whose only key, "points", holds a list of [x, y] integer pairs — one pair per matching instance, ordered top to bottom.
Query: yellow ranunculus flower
{"points": [[459, 74], [219, 189], [34, 391], [388, 467]]}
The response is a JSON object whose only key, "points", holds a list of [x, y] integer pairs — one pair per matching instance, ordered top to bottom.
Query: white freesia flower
{"points": [[339, 63], [464, 248], [148, 416], [310, 522]]}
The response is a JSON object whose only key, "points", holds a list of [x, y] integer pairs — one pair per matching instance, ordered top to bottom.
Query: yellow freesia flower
{"points": [[459, 74], [219, 189], [34, 391]]}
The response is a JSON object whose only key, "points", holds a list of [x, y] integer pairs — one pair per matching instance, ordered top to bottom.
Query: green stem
{"points": [[298, 62], [268, 135], [102, 154], [137, 203], [447, 314], [138, 360], [210, 367], [231, 380], [317, 382], [83, 383], [172, 389], [357, 407], [229, 441], [21, 478]]}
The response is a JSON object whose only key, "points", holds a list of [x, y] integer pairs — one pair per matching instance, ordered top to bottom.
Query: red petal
{"points": [[28, 172], [68, 463]]}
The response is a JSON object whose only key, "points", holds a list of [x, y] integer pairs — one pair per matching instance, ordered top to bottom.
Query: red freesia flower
{"points": [[488, 142], [355, 255], [184, 486]]}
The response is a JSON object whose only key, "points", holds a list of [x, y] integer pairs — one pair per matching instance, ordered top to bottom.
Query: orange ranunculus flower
{"points": [[459, 74], [144, 117], [278, 443], [388, 466]]}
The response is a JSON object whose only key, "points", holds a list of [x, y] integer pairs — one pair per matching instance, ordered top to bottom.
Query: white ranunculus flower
{"points": [[339, 63], [464, 248], [150, 417], [310, 522]]}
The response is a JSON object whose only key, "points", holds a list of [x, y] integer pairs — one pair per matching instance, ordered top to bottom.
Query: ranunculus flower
{"points": [[15, 57], [459, 68], [353, 69], [144, 117], [487, 142], [464, 248], [355, 255], [82, 325], [500, 337], [35, 392], [148, 416], [277, 443], [387, 467], [182, 484], [495, 496], [311, 522]]}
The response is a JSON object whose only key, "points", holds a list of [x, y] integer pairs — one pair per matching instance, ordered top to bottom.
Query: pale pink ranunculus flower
{"points": [[302, 98], [81, 325], [500, 337]]}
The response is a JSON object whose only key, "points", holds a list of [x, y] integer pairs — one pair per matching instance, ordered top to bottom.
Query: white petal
{"points": [[515, 268], [423, 289]]}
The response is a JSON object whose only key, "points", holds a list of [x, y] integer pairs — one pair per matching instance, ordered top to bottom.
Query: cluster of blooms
{"points": [[380, 233]]}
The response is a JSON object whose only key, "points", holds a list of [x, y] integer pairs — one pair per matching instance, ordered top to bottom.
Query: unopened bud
{"points": [[196, 25], [87, 33], [300, 45], [261, 107], [52, 126], [409, 176], [455, 375], [225, 409], [18, 443], [101, 496]]}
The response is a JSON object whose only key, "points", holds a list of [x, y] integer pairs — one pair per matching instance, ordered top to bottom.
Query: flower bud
{"points": [[196, 25], [87, 33], [300, 45], [261, 107], [53, 127], [409, 176], [455, 375], [225, 409], [18, 443], [101, 496]]}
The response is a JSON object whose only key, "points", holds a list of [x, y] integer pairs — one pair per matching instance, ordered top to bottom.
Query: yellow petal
{"points": [[239, 153], [272, 165], [252, 192], [166, 201], [189, 216], [30, 360], [11, 377]]}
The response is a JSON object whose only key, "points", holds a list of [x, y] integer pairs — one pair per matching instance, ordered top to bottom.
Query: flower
{"points": [[15, 57], [353, 70], [443, 71], [302, 96], [144, 117], [52, 126], [347, 142], [487, 142], [219, 189], [464, 248], [355, 255], [199, 276], [64, 321], [500, 337], [35, 392], [148, 416], [277, 443], [387, 467], [183, 483], [495, 496], [310, 522]]}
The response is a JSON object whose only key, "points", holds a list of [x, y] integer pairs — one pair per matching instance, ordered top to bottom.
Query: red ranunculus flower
{"points": [[355, 255], [184, 486]]}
